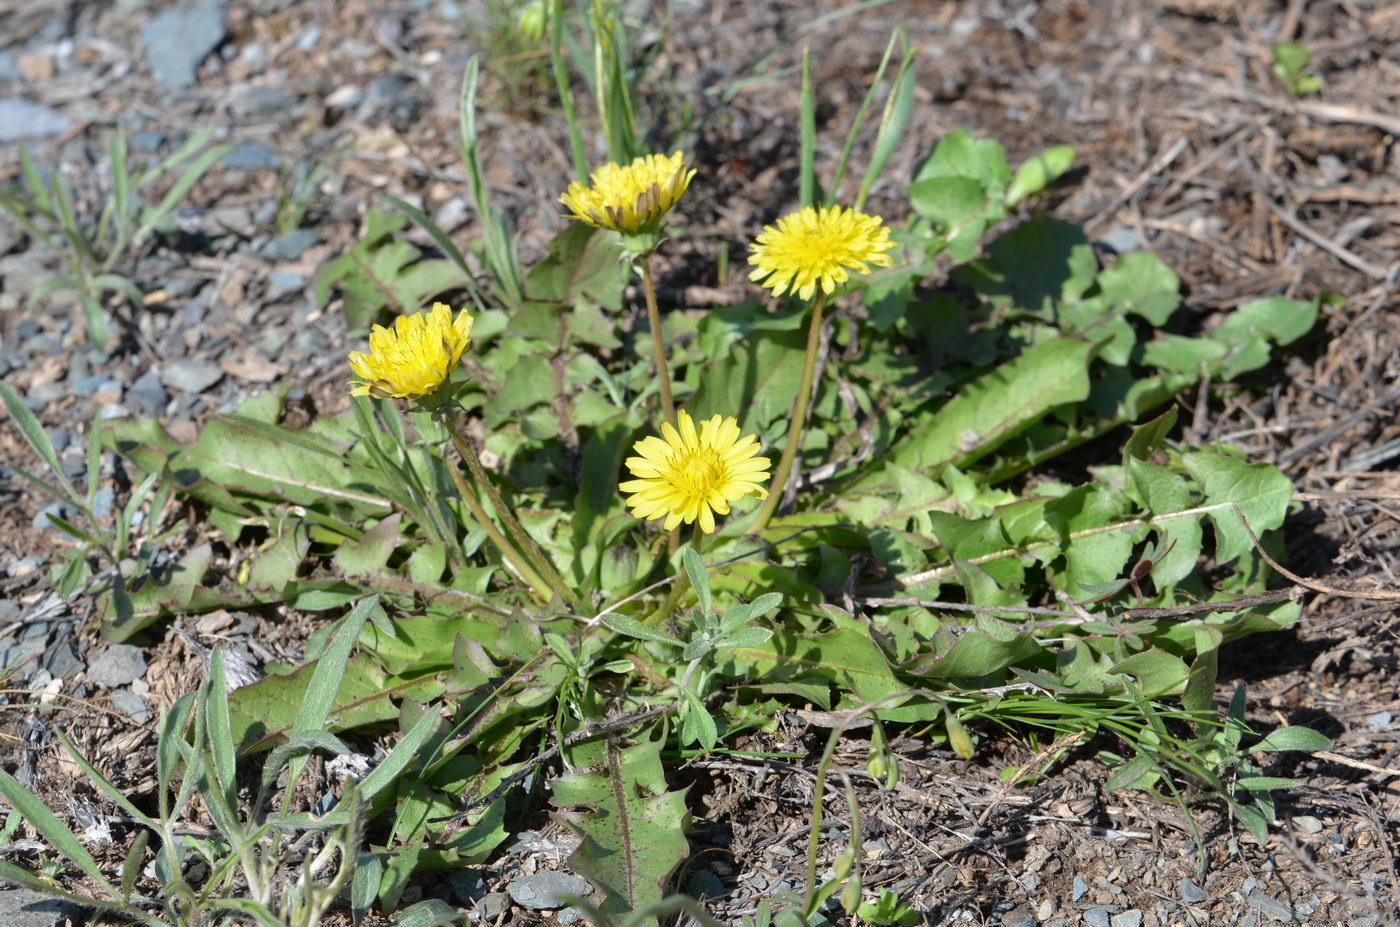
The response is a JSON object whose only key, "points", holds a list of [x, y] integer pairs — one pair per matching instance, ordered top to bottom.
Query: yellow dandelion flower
{"points": [[632, 200], [818, 247], [414, 358], [691, 475]]}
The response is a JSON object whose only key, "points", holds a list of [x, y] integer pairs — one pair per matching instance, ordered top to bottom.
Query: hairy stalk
{"points": [[663, 372], [797, 421], [537, 557], [517, 562]]}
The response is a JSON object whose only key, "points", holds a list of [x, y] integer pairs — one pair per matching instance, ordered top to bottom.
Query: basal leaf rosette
{"points": [[631, 200], [818, 247], [414, 359], [691, 474]]}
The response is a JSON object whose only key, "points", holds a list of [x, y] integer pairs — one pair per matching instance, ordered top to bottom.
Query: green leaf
{"points": [[958, 154], [1038, 172], [960, 209], [1141, 284], [988, 411], [36, 437], [1260, 492], [699, 579], [155, 597], [634, 628], [263, 713], [1304, 739], [1137, 773], [1267, 783], [37, 814], [632, 828]]}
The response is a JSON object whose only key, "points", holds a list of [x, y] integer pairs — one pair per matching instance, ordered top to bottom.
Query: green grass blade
{"points": [[566, 92], [859, 121], [892, 123], [177, 157], [807, 171], [33, 183], [178, 190], [115, 214], [444, 242], [500, 257], [121, 285], [37, 439], [219, 729], [389, 769], [52, 829]]}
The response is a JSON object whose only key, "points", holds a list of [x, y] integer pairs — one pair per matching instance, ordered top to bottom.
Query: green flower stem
{"points": [[663, 373], [797, 421], [538, 558], [519, 563], [678, 588]]}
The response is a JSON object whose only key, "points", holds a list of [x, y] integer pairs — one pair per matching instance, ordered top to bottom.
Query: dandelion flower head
{"points": [[629, 199], [818, 247], [414, 358], [691, 474]]}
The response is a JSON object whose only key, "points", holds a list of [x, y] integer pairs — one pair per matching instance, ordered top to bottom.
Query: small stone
{"points": [[178, 39], [9, 67], [37, 67], [346, 96], [266, 101], [21, 120], [146, 141], [251, 157], [450, 215], [1122, 239], [291, 246], [21, 273], [281, 283], [189, 376], [147, 395], [102, 502], [41, 521], [25, 565], [62, 662], [117, 665], [131, 705], [1380, 721], [1307, 824], [705, 884], [467, 885], [1079, 889], [547, 890], [1191, 893], [20, 907], [491, 907], [1271, 908], [569, 916], [1019, 917], [1097, 917], [1127, 919]]}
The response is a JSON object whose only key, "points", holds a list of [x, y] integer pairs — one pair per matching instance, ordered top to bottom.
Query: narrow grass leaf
{"points": [[859, 120], [892, 123], [177, 191], [36, 437], [220, 729], [1304, 739], [404, 752], [52, 829], [131, 866]]}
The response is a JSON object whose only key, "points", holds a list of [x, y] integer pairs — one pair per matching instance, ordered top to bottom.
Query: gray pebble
{"points": [[178, 39], [9, 67], [383, 91], [266, 101], [21, 120], [146, 141], [251, 157], [450, 215], [1122, 239], [291, 246], [22, 274], [281, 283], [190, 376], [100, 382], [147, 395], [102, 502], [41, 521], [23, 567], [62, 662], [117, 665], [131, 705], [1380, 721], [1307, 824], [705, 884], [467, 885], [1078, 889], [547, 890], [1191, 893], [20, 907], [491, 907], [1271, 908], [569, 916], [1019, 917], [1097, 917], [1127, 919]]}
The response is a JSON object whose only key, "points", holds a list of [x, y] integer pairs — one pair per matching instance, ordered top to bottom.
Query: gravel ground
{"points": [[1187, 145]]}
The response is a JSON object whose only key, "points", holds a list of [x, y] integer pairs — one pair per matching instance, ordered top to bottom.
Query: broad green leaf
{"points": [[958, 154], [1038, 172], [959, 207], [1141, 284], [991, 409], [1165, 492], [1260, 492], [154, 597], [263, 714], [1304, 739], [1139, 772], [633, 829]]}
